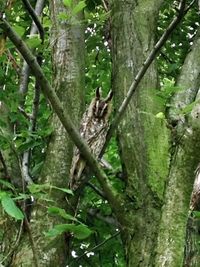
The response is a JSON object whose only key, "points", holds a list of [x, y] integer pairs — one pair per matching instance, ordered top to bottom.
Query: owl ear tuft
{"points": [[98, 93], [109, 96]]}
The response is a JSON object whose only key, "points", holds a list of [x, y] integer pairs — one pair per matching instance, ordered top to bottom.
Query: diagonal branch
{"points": [[183, 9], [35, 18], [23, 87], [49, 92], [97, 246]]}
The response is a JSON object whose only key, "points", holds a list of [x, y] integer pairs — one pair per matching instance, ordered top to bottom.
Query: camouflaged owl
{"points": [[94, 127]]}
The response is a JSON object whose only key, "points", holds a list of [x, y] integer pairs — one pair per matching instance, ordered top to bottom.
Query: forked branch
{"points": [[181, 12]]}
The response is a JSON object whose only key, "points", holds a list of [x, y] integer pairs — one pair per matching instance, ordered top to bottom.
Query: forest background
{"points": [[142, 209]]}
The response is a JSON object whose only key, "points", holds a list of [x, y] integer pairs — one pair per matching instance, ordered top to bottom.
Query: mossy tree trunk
{"points": [[68, 80], [184, 161], [157, 172]]}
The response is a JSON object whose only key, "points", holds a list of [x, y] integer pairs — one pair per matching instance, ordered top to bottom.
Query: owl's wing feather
{"points": [[94, 127], [94, 141]]}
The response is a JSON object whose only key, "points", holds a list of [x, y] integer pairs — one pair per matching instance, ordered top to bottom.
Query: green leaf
{"points": [[67, 3], [80, 6], [63, 16], [19, 30], [33, 41], [187, 109], [160, 115], [37, 168], [7, 184], [35, 188], [68, 191], [21, 197], [11, 208], [61, 212], [196, 214], [79, 231], [82, 231], [53, 233]]}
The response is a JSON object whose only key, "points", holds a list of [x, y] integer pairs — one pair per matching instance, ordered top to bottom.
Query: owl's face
{"points": [[101, 107]]}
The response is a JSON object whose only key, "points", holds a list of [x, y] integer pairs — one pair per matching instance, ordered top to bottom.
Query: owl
{"points": [[94, 127], [195, 198]]}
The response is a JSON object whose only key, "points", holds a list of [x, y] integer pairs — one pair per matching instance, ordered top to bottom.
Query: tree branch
{"points": [[35, 18], [25, 69], [118, 116], [96, 190], [115, 203], [32, 242]]}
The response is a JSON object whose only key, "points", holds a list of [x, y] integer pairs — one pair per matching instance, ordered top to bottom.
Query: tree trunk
{"points": [[67, 40], [143, 138], [184, 161], [159, 164]]}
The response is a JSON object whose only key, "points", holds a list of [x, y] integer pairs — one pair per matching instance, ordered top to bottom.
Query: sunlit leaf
{"points": [[67, 3], [79, 7], [63, 16], [19, 30], [33, 42], [7, 184], [68, 191], [10, 207], [62, 213], [79, 231]]}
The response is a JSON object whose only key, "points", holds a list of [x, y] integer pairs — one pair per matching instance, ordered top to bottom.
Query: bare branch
{"points": [[182, 10], [35, 18], [25, 72], [23, 89], [24, 113], [33, 119], [96, 190], [107, 219]]}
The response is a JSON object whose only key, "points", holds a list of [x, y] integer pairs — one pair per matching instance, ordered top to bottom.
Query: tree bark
{"points": [[67, 40], [143, 139], [184, 161]]}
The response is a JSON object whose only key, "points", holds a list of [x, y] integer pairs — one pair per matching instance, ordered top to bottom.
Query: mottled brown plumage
{"points": [[94, 127], [195, 197]]}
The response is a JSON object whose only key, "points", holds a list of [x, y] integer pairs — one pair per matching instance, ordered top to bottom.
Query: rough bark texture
{"points": [[68, 67], [143, 138], [185, 159]]}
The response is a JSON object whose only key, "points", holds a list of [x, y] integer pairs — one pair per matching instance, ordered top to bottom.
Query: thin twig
{"points": [[105, 5], [35, 18], [24, 113], [118, 116], [96, 190], [96, 247]]}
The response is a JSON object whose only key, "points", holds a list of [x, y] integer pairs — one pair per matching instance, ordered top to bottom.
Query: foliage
{"points": [[176, 48], [15, 134]]}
